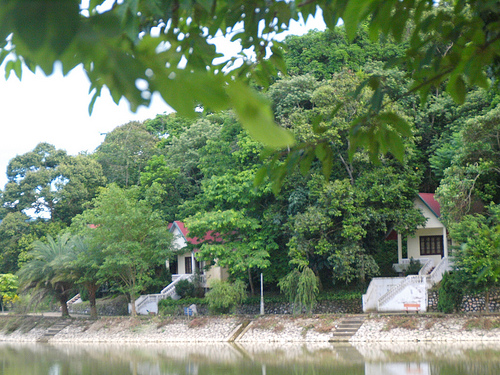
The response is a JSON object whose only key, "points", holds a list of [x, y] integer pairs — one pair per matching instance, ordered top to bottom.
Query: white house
{"points": [[430, 242], [430, 246], [186, 263], [183, 268]]}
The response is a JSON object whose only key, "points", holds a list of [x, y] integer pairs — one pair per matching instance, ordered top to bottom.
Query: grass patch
{"points": [[163, 322], [198, 322], [404, 322], [482, 323], [24, 324], [269, 324], [429, 324], [324, 325], [306, 329]]}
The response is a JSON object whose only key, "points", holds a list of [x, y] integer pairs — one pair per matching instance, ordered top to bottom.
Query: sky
{"points": [[54, 109]]}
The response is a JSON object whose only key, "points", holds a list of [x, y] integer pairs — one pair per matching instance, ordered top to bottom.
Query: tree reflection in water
{"points": [[250, 359]]}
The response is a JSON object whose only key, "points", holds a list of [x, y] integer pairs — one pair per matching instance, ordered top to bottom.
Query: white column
{"points": [[445, 243], [400, 248], [193, 263]]}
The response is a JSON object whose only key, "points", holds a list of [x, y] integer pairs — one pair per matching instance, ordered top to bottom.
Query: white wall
{"points": [[432, 220], [414, 244], [377, 288], [413, 293]]}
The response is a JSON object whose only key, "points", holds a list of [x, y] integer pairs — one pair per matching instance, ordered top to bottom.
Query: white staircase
{"points": [[391, 294], [75, 299], [148, 303]]}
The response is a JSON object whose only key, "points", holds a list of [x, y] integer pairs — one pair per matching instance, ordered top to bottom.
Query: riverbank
{"points": [[249, 329]]}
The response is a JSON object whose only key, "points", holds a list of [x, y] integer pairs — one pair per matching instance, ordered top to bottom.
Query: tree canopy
{"points": [[136, 48], [334, 208]]}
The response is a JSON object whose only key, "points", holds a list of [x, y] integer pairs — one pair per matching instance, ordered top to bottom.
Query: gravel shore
{"points": [[268, 329]]}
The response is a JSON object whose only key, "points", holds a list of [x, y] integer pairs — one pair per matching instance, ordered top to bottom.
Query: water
{"points": [[255, 359]]}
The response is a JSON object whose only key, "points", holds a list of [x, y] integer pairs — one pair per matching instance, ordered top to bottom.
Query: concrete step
{"points": [[347, 328], [52, 331]]}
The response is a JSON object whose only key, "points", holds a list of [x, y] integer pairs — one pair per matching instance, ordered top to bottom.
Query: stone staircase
{"points": [[348, 328], [54, 330]]}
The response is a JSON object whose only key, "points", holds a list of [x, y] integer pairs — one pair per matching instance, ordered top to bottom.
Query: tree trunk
{"points": [[316, 272], [92, 289], [252, 290], [64, 306], [133, 311]]}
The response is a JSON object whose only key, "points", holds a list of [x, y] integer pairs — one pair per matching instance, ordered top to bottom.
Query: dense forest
{"points": [[317, 206]]}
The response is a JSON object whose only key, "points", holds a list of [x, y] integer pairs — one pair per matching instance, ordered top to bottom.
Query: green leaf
{"points": [[353, 13], [457, 89], [256, 116], [398, 123], [395, 145], [321, 151], [305, 163], [327, 163], [259, 176]]}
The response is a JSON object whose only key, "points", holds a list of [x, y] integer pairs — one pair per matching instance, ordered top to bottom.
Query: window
{"points": [[431, 245], [188, 265], [199, 266]]}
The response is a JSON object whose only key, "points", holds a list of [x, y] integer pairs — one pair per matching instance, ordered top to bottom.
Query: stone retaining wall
{"points": [[470, 303], [115, 307], [323, 307]]}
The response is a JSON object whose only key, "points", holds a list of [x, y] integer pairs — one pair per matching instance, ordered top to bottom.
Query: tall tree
{"points": [[125, 152], [31, 177], [79, 179], [49, 181], [12, 229], [133, 238], [238, 242], [478, 260], [85, 262]]}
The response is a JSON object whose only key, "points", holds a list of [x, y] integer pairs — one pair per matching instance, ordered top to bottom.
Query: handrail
{"points": [[408, 260], [426, 268], [437, 273], [409, 280], [172, 285], [166, 292]]}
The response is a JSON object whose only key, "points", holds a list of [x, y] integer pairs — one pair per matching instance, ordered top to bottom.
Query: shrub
{"points": [[413, 268], [185, 288], [301, 288], [450, 293], [223, 297], [167, 308]]}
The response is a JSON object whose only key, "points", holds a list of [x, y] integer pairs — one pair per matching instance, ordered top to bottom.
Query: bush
{"points": [[414, 267], [185, 288], [301, 288], [450, 293], [223, 297], [169, 306], [165, 308]]}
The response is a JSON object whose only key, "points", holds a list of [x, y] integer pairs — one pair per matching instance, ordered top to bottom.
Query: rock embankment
{"points": [[267, 329]]}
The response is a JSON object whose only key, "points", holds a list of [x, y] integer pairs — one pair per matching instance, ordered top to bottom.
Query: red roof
{"points": [[428, 199], [209, 236]]}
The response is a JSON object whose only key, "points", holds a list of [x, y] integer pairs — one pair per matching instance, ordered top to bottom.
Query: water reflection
{"points": [[251, 359]]}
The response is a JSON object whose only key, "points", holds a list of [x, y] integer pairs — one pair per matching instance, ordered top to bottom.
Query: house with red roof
{"points": [[430, 242], [430, 246], [186, 262], [184, 267]]}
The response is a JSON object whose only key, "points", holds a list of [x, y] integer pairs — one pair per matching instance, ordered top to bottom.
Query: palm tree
{"points": [[48, 271]]}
